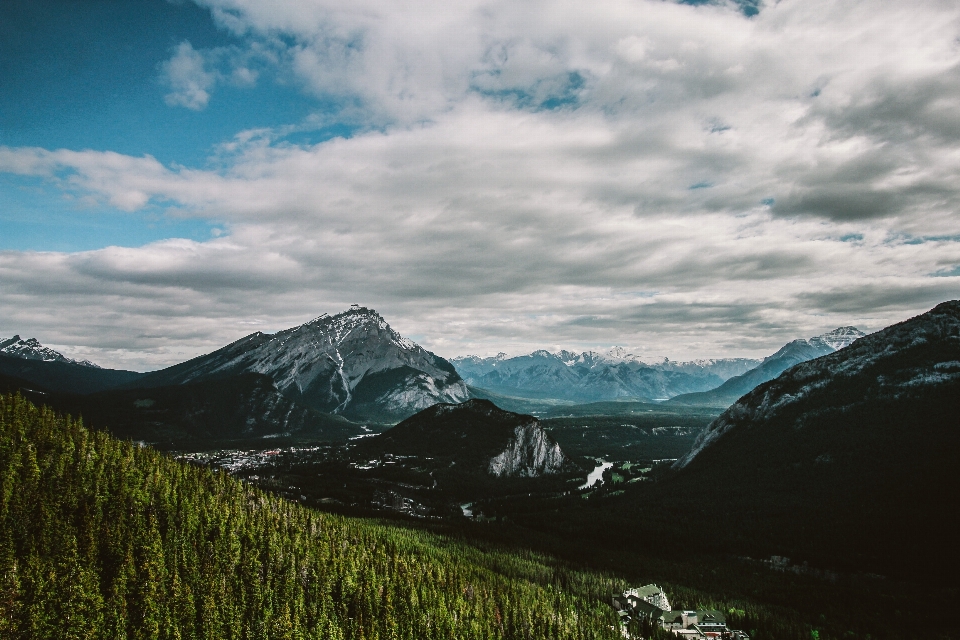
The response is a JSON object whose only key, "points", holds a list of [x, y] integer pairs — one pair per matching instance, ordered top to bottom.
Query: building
{"points": [[650, 594], [651, 603]]}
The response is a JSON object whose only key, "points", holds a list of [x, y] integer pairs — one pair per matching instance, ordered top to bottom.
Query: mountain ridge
{"points": [[853, 359], [584, 377]]}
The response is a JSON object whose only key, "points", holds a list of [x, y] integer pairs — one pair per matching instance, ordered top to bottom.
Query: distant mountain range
{"points": [[31, 349], [354, 365], [40, 366], [772, 366], [617, 374], [592, 376]]}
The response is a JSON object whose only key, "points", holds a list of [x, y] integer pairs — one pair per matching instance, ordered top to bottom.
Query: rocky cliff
{"points": [[530, 453]]}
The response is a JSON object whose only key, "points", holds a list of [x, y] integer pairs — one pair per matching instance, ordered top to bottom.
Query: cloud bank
{"points": [[683, 179]]}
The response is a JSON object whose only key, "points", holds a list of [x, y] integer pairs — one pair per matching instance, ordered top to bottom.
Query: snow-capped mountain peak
{"points": [[840, 337], [31, 349], [621, 354]]}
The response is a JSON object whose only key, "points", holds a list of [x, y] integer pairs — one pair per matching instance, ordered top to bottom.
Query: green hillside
{"points": [[103, 539]]}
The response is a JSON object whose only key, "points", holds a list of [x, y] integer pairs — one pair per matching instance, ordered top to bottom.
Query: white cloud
{"points": [[189, 79], [477, 218]]}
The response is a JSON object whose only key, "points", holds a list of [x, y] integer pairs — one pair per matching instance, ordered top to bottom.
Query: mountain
{"points": [[31, 349], [352, 364], [39, 365], [772, 366], [589, 376], [476, 437], [848, 459]]}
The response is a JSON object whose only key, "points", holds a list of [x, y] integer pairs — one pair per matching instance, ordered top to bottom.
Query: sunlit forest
{"points": [[100, 538]]}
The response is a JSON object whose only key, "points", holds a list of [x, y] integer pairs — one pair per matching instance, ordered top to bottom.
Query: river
{"points": [[597, 474]]}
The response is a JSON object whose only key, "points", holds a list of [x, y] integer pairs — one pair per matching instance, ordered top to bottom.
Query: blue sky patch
{"points": [[748, 8], [88, 76], [36, 216], [947, 273]]}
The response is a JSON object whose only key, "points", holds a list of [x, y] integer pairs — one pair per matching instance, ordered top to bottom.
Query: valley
{"points": [[350, 477]]}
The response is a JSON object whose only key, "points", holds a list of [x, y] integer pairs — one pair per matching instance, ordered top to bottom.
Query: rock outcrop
{"points": [[530, 453]]}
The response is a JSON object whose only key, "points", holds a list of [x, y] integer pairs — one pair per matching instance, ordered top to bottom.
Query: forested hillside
{"points": [[103, 539]]}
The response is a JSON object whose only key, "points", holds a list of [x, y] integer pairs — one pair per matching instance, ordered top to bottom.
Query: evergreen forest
{"points": [[100, 538]]}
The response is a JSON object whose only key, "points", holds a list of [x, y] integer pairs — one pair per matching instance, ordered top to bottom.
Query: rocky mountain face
{"points": [[31, 349], [352, 364], [772, 366], [591, 377], [475, 437], [843, 457]]}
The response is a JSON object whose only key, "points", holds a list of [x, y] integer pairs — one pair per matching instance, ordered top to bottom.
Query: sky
{"points": [[700, 179]]}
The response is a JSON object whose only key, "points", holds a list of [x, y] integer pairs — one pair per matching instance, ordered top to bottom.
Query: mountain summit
{"points": [[840, 337], [352, 363]]}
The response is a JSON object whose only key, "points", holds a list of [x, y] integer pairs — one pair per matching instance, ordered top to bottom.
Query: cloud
{"points": [[193, 74], [189, 79], [682, 178]]}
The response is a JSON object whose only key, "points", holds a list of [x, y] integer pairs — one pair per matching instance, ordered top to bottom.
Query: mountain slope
{"points": [[351, 364], [772, 366], [64, 375], [218, 412], [228, 412], [845, 459], [100, 538]]}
